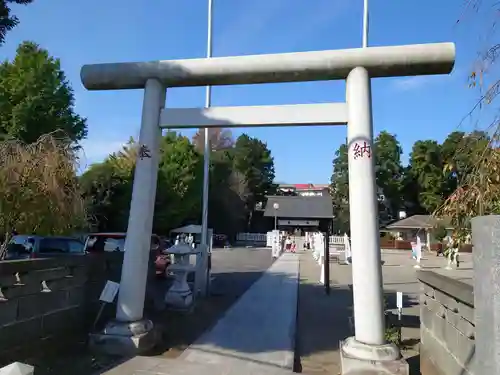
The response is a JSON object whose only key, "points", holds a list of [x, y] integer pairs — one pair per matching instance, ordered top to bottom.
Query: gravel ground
{"points": [[235, 270]]}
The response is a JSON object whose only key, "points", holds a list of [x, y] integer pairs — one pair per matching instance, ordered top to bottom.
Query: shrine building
{"points": [[300, 213]]}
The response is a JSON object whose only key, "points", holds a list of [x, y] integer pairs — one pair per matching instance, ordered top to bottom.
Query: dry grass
{"points": [[38, 187]]}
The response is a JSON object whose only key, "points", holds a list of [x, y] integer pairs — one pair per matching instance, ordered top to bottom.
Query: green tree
{"points": [[7, 20], [36, 98], [461, 153], [124, 160], [253, 160], [426, 169], [389, 174], [180, 181], [107, 186], [339, 190], [107, 191], [411, 193], [228, 194]]}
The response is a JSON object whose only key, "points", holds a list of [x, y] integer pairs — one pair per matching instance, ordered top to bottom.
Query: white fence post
{"points": [[252, 238]]}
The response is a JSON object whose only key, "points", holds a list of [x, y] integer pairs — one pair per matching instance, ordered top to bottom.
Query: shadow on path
{"points": [[179, 330]]}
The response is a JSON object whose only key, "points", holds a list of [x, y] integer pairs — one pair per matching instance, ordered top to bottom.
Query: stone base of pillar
{"points": [[125, 338], [362, 359], [17, 368]]}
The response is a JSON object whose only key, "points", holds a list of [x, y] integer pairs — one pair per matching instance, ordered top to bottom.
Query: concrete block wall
{"points": [[43, 299], [447, 326]]}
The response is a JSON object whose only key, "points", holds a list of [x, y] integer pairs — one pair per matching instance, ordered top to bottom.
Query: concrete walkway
{"points": [[260, 327], [256, 335]]}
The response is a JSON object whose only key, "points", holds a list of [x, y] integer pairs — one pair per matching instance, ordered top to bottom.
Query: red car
{"points": [[114, 241]]}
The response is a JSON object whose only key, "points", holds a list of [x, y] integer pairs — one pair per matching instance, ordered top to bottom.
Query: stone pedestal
{"points": [[180, 296], [122, 338], [362, 359], [17, 368]]}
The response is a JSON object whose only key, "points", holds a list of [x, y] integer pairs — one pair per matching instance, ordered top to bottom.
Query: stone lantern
{"points": [[180, 296]]}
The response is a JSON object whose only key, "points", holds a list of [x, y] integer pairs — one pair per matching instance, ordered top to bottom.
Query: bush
{"points": [[39, 191]]}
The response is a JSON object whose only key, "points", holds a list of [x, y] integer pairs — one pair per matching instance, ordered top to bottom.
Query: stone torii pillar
{"points": [[368, 349]]}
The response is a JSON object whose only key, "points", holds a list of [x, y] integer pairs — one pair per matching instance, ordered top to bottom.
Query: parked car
{"points": [[107, 242], [32, 246]]}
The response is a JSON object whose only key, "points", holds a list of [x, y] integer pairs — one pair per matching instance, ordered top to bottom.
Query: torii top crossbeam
{"points": [[393, 61]]}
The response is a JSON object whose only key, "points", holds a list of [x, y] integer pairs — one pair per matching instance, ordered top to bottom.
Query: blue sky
{"points": [[93, 31]]}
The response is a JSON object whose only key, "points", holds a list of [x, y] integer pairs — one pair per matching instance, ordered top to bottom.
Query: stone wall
{"points": [[44, 299], [446, 326]]}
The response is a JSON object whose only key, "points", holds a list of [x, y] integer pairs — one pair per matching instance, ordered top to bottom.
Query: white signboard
{"points": [[276, 243], [109, 292], [399, 300]]}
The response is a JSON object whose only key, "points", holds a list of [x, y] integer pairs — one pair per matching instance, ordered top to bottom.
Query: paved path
{"points": [[235, 270], [324, 320], [260, 327], [256, 335], [163, 366]]}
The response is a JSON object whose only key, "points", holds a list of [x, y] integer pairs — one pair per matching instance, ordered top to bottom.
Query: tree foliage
{"points": [[7, 20], [36, 98], [218, 138], [472, 162], [255, 164], [426, 169], [240, 175], [389, 175], [441, 179], [180, 183], [108, 185], [38, 188], [339, 190], [228, 194]]}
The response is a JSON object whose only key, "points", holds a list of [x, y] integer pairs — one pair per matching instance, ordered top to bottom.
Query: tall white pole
{"points": [[365, 24], [206, 159], [365, 250]]}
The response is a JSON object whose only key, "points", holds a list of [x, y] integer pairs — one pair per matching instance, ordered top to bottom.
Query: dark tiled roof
{"points": [[300, 207], [418, 222]]}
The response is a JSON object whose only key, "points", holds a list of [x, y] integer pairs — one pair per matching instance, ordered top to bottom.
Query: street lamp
{"points": [[276, 207]]}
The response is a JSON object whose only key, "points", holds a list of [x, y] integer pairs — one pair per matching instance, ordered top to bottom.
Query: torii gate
{"points": [[357, 66]]}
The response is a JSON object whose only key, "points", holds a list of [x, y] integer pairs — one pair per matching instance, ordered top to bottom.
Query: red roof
{"points": [[302, 186]]}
